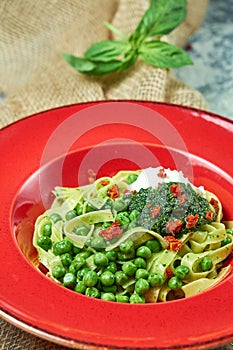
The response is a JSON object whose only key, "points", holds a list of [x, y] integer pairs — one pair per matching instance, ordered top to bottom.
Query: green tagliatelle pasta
{"points": [[139, 236]]}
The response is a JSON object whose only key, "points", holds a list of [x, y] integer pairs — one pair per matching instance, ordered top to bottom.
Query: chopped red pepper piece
{"points": [[162, 173], [104, 182], [175, 189], [113, 191], [214, 203], [155, 211], [209, 215], [191, 220], [174, 226], [113, 231], [173, 243], [169, 273]]}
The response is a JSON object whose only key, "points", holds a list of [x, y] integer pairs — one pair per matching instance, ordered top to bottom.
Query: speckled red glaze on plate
{"points": [[115, 133]]}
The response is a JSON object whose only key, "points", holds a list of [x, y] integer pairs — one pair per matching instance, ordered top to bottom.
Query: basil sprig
{"points": [[108, 56]]}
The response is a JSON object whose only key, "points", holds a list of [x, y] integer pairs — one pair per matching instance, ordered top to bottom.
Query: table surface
{"points": [[211, 50]]}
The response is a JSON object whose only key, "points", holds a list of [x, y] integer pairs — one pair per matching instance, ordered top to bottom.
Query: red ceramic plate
{"points": [[65, 146]]}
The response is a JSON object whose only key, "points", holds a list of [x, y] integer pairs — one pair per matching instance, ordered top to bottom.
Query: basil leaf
{"points": [[170, 14], [160, 19], [145, 25], [115, 30], [106, 50], [163, 55], [129, 60], [79, 63], [103, 68]]}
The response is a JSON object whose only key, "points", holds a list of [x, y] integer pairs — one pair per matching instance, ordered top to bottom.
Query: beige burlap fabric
{"points": [[34, 77]]}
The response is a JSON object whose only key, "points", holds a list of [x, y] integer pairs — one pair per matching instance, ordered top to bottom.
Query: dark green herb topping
{"points": [[171, 209]]}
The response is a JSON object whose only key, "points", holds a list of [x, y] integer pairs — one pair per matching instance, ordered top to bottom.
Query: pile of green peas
{"points": [[119, 275]]}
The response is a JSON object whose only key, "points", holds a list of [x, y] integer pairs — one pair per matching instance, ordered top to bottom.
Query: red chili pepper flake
{"points": [[162, 173], [104, 182], [176, 189], [113, 191], [214, 203], [149, 205], [155, 211], [209, 215], [191, 220], [174, 226], [113, 231], [174, 244], [169, 273]]}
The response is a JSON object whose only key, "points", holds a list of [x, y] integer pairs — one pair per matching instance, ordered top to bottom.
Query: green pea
{"points": [[132, 178], [119, 205], [89, 208], [79, 209], [134, 214], [70, 215], [55, 217], [123, 218], [106, 224], [47, 229], [81, 230], [229, 231], [226, 241], [44, 242], [98, 243], [154, 245], [62, 247], [127, 247], [76, 250], [143, 252], [85, 254], [111, 255], [124, 257], [66, 259], [100, 259], [78, 262], [140, 263], [206, 263], [112, 266], [129, 268], [72, 269], [58, 271], [182, 271], [82, 272], [141, 273], [121, 277], [90, 278], [107, 278], [155, 279], [69, 280], [174, 283], [141, 286], [80, 287], [110, 289], [92, 292], [108, 296], [122, 298], [136, 299]]}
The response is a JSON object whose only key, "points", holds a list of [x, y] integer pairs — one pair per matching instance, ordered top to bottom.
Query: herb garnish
{"points": [[108, 56]]}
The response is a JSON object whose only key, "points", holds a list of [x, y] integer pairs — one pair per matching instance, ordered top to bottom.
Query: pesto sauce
{"points": [[172, 208]]}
